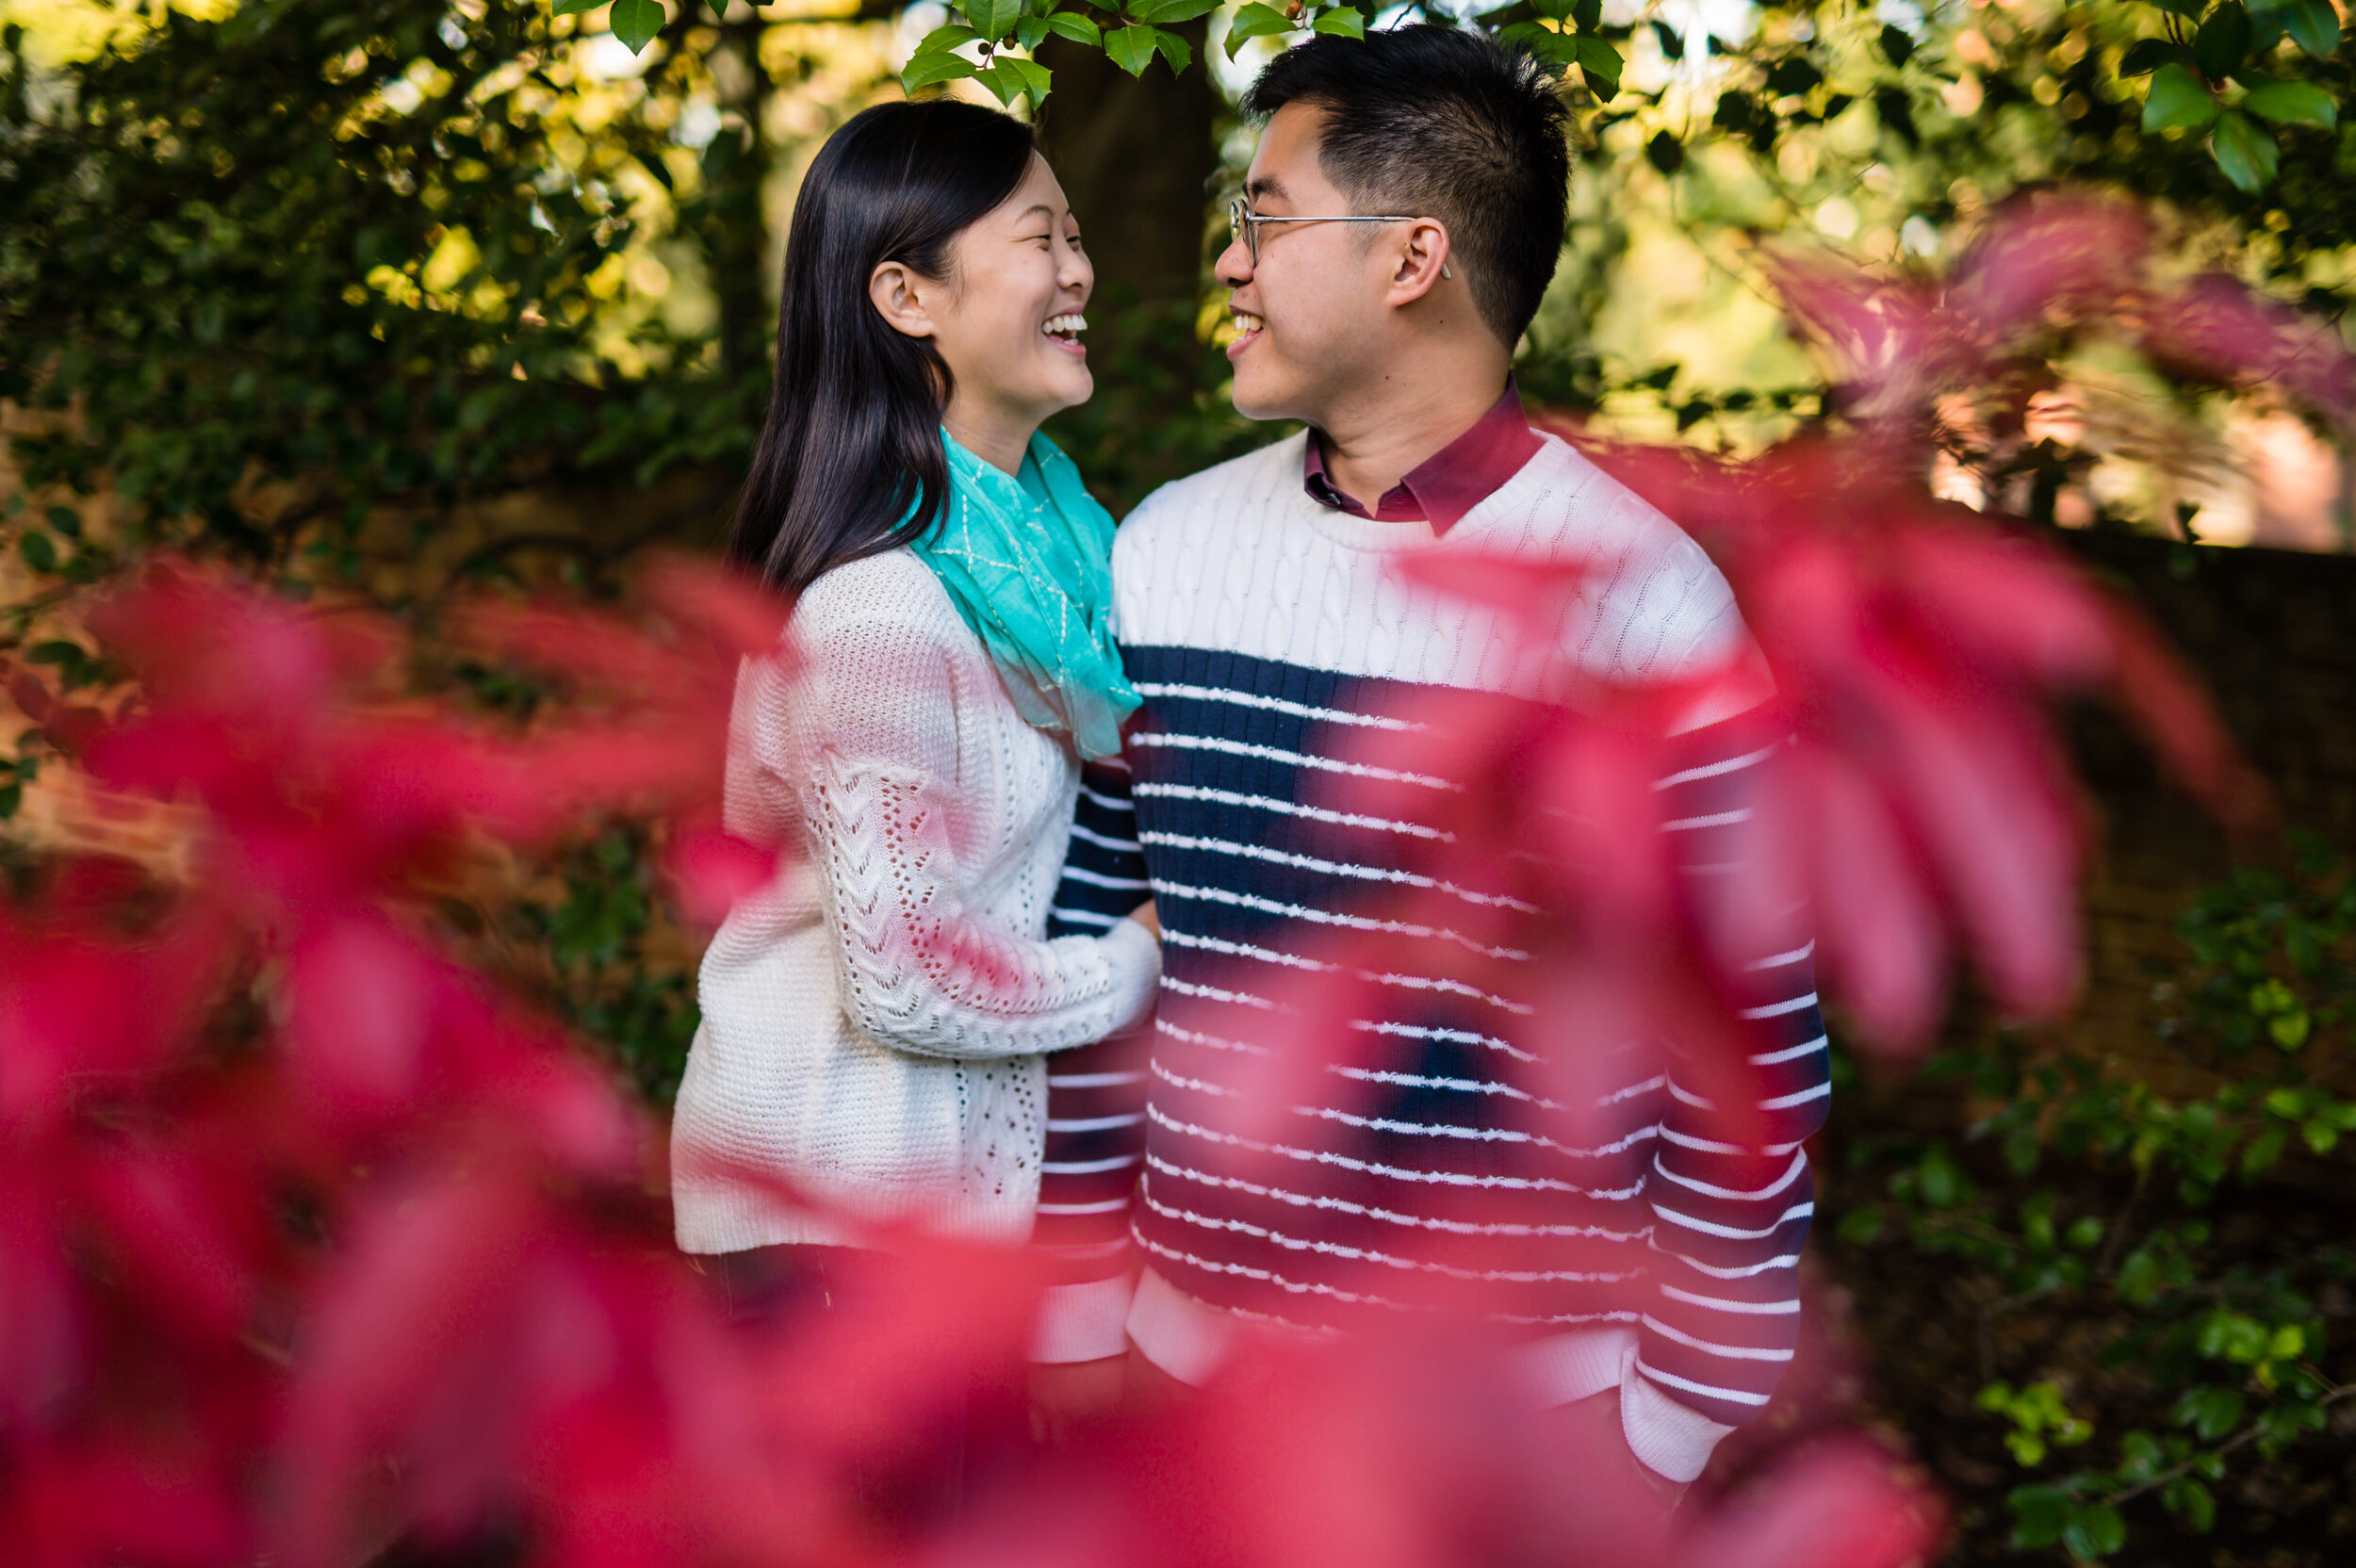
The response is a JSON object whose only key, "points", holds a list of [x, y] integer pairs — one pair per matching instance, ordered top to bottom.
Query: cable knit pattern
{"points": [[875, 1020]]}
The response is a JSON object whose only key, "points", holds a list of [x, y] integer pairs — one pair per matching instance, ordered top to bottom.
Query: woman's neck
{"points": [[998, 436]]}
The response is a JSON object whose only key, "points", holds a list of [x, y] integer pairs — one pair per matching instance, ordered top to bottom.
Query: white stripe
{"points": [[1273, 705], [1158, 738], [1713, 770], [1109, 803], [1290, 809], [1715, 819], [1120, 846], [1337, 868], [1097, 879], [1084, 917], [1326, 917], [1172, 936], [1780, 959], [1213, 994], [1777, 1009], [1452, 1036], [1215, 1042], [1790, 1053], [1092, 1080], [1418, 1081], [1197, 1084], [1634, 1089], [1678, 1092], [1785, 1102], [1094, 1123], [1476, 1135], [1706, 1146], [1087, 1168], [1399, 1173], [1791, 1174], [1107, 1206], [1421, 1222], [1730, 1232], [1085, 1249], [1368, 1254], [1738, 1271], [1787, 1307], [1733, 1352], [1732, 1396]]}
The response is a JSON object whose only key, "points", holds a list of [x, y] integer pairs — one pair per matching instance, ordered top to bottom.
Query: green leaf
{"points": [[574, 8], [1169, 12], [1587, 15], [993, 19], [1255, 21], [636, 22], [1343, 22], [2313, 26], [1078, 28], [1030, 31], [941, 40], [2223, 40], [1897, 45], [1131, 48], [1174, 49], [2147, 54], [1602, 63], [925, 70], [1010, 78], [1035, 78], [2177, 99], [2293, 104], [1665, 152], [2248, 158], [66, 521], [39, 551], [55, 651], [11, 796], [2191, 1502], [2039, 1513], [2095, 1531]]}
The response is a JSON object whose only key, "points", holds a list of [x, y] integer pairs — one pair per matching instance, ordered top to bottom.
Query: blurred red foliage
{"points": [[310, 1241]]}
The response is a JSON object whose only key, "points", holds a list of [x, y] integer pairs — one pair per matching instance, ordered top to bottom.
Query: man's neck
{"points": [[1372, 443]]}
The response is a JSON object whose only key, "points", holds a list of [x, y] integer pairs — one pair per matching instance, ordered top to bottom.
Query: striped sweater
{"points": [[1647, 1240]]}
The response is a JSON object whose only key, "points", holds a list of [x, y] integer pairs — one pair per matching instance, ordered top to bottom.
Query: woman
{"points": [[875, 1022]]}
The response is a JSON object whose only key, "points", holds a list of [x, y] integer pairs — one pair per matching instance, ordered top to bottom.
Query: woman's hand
{"points": [[1143, 914]]}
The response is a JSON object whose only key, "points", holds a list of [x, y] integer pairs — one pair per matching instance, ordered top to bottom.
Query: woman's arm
{"points": [[874, 771]]}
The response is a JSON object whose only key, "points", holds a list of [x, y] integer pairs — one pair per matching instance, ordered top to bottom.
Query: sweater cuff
{"points": [[1136, 959], [1083, 1322], [1671, 1440]]}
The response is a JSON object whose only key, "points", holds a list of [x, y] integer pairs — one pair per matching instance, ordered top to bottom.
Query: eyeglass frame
{"points": [[1242, 223]]}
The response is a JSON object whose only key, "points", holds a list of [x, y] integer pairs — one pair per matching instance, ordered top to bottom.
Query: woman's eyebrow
{"points": [[1037, 209]]}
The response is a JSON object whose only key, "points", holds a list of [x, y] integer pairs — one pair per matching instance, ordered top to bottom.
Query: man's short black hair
{"points": [[1441, 122]]}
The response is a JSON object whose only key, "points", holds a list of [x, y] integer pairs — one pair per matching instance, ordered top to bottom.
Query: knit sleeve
{"points": [[872, 759], [1730, 1189]]}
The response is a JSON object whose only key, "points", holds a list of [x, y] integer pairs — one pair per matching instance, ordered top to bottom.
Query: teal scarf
{"points": [[1027, 560]]}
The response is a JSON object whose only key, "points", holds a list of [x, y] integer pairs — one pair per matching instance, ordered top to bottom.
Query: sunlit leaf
{"points": [[574, 8], [1170, 12], [993, 19], [1255, 21], [636, 22], [1342, 22], [2313, 26], [1078, 28], [941, 39], [1131, 48], [1174, 49], [2147, 54], [1602, 63], [925, 70], [2177, 100], [2293, 104], [2247, 154]]}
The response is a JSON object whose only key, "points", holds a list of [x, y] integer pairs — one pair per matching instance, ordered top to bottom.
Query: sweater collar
{"points": [[1448, 484]]}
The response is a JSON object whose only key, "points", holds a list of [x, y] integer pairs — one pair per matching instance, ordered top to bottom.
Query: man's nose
{"points": [[1234, 266]]}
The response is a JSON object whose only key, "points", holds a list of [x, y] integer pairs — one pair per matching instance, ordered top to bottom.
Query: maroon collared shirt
{"points": [[1448, 484]]}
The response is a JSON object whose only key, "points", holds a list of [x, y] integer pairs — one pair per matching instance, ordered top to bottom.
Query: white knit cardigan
{"points": [[873, 1020]]}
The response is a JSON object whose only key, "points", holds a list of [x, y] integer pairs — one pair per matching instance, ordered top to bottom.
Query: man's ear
{"points": [[1423, 261], [898, 297]]}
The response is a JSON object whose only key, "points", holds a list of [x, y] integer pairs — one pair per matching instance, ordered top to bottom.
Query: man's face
{"points": [[1310, 315]]}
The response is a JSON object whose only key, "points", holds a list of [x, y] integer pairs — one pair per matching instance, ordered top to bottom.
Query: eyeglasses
{"points": [[1244, 225]]}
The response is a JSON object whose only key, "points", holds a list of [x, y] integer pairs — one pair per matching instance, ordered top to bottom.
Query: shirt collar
{"points": [[1448, 484]]}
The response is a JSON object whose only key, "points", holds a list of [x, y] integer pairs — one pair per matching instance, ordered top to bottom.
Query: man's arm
{"points": [[1095, 1096], [1730, 1188]]}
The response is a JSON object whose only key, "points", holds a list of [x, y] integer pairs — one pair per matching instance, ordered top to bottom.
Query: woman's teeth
{"points": [[1246, 323], [1068, 326]]}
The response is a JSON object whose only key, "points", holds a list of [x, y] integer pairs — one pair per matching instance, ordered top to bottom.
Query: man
{"points": [[1401, 220]]}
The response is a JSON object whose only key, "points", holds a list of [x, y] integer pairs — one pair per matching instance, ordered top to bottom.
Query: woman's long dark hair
{"points": [[853, 436]]}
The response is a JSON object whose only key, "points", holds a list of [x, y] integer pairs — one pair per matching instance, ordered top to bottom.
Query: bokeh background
{"points": [[393, 300]]}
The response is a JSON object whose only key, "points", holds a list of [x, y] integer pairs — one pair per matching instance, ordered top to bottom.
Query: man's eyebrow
{"points": [[1264, 185]]}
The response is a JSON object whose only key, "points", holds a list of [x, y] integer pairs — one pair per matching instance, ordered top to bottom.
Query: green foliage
{"points": [[2148, 1230]]}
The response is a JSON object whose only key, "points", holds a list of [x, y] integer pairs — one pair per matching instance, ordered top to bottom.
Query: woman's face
{"points": [[1006, 318]]}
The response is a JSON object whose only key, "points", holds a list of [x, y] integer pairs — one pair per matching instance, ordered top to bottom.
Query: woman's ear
{"points": [[895, 290]]}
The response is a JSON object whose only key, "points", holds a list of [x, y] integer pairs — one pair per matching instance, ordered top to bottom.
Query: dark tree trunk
{"points": [[736, 171]]}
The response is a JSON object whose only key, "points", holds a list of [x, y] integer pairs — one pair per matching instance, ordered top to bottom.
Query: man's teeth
{"points": [[1246, 323], [1070, 324]]}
